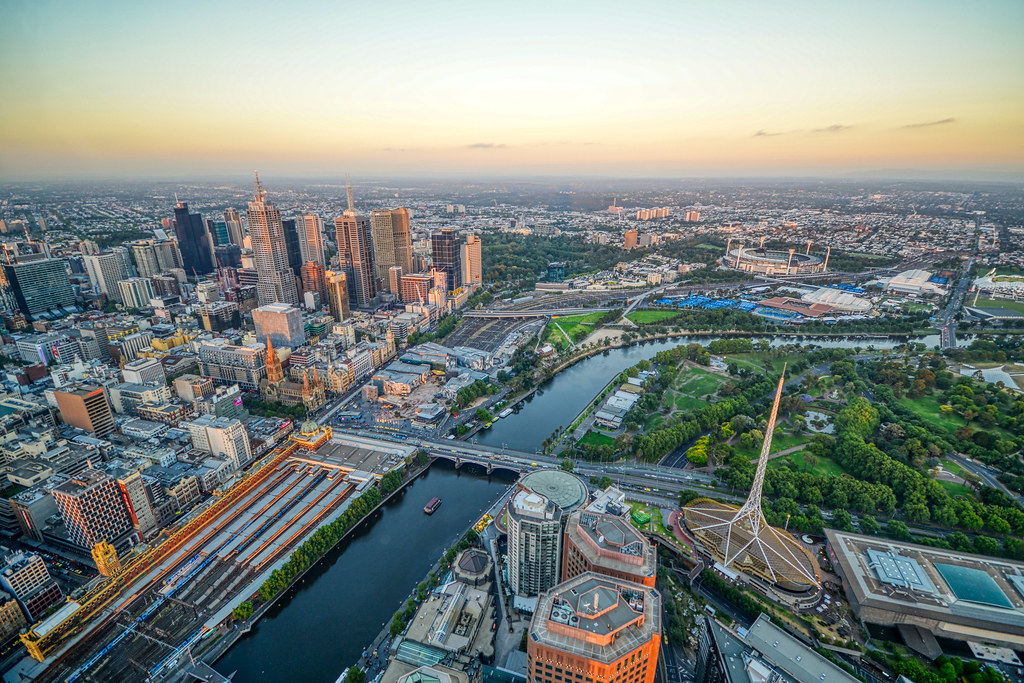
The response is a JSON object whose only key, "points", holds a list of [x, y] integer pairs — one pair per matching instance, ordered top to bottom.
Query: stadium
{"points": [[773, 261]]}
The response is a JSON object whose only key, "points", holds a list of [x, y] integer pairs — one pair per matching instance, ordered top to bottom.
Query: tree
{"points": [[567, 465], [243, 611]]}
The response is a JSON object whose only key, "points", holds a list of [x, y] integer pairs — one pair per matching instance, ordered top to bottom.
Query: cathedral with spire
{"points": [[275, 387]]}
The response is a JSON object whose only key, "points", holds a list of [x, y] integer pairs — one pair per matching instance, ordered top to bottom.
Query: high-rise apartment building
{"points": [[236, 231], [311, 239], [629, 240], [194, 241], [392, 243], [447, 255], [153, 257], [472, 261], [105, 271], [276, 282], [336, 283], [37, 286], [416, 287], [135, 292], [218, 316], [281, 323], [86, 409], [221, 436], [92, 508], [140, 508], [534, 543], [609, 545], [25, 576], [595, 628]]}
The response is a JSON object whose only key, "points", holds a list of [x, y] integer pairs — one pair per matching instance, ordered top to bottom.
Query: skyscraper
{"points": [[236, 231], [311, 239], [194, 240], [392, 243], [292, 245], [354, 245], [444, 247], [472, 261], [105, 271], [276, 278], [314, 278], [37, 286], [337, 294], [281, 323], [534, 543]]}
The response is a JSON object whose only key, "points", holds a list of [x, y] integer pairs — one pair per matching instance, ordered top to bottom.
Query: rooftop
{"points": [[564, 489], [611, 542], [953, 594], [597, 616]]}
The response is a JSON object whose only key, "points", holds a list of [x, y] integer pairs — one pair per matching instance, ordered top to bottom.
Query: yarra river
{"points": [[322, 625]]}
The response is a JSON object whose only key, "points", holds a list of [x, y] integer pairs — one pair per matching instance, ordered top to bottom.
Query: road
{"points": [[953, 307], [987, 475]]}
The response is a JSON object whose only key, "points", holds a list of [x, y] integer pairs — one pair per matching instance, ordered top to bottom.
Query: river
{"points": [[558, 401], [321, 626]]}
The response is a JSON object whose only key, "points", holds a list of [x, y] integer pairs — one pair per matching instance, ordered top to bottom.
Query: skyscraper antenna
{"points": [[259, 188], [348, 191], [176, 200]]}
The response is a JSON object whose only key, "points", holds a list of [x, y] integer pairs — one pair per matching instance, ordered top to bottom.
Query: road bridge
{"points": [[536, 313]]}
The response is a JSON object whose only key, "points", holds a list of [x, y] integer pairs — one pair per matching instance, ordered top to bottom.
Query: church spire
{"points": [[275, 373]]}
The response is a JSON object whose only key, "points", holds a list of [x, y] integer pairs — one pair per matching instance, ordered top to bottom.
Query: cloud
{"points": [[940, 122], [834, 128], [765, 134], [485, 145]]}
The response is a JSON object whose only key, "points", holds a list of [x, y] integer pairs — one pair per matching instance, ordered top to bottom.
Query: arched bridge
{"points": [[490, 463]]}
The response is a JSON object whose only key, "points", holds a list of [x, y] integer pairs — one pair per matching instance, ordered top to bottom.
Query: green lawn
{"points": [[999, 303], [649, 317], [584, 319], [696, 382], [927, 408], [592, 438], [951, 466], [824, 467], [955, 489], [657, 522]]}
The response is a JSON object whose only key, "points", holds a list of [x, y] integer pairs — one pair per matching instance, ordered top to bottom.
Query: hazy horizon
{"points": [[734, 89]]}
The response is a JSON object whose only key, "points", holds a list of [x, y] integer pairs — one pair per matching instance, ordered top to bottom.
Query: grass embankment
{"points": [[651, 317], [576, 327]]}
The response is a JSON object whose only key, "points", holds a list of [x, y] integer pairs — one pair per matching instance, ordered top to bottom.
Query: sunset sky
{"points": [[677, 88]]}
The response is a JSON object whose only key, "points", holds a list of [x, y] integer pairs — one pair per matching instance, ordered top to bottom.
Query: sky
{"points": [[562, 87]]}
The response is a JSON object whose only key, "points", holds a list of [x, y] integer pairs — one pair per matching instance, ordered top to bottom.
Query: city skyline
{"points": [[664, 89]]}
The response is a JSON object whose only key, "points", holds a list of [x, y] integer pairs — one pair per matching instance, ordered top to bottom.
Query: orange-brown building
{"points": [[86, 409], [608, 545], [595, 628]]}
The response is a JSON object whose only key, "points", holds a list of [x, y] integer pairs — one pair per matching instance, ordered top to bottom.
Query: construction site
{"points": [[183, 595]]}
